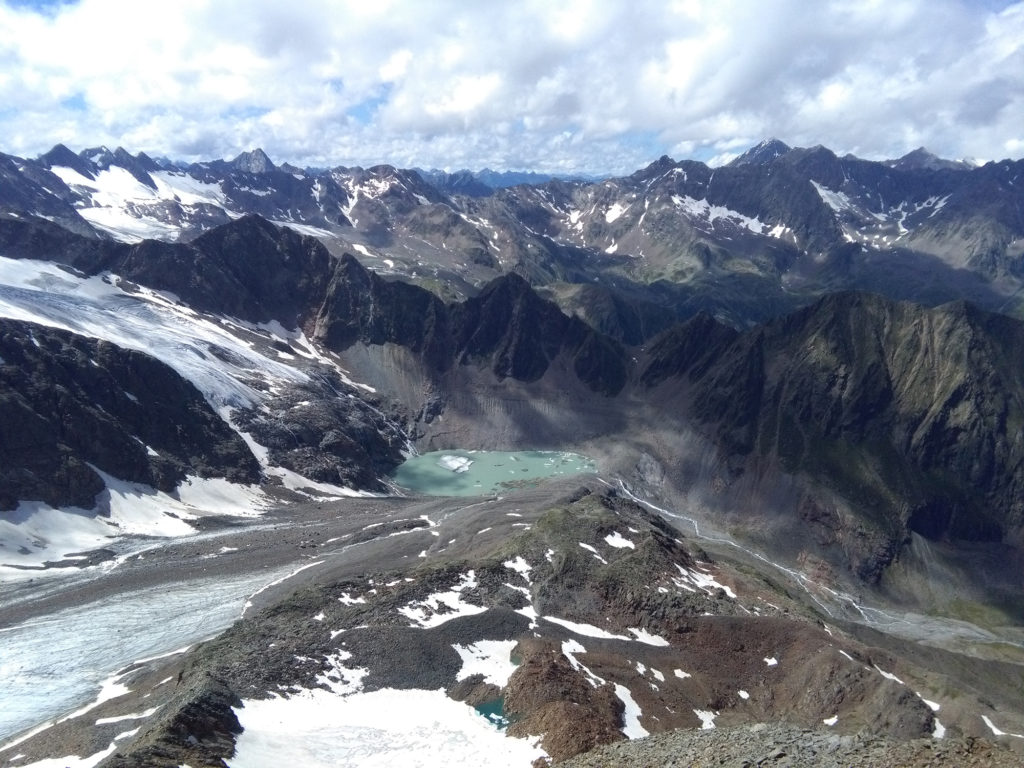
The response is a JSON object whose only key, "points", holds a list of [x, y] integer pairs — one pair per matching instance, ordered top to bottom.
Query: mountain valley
{"points": [[798, 376]]}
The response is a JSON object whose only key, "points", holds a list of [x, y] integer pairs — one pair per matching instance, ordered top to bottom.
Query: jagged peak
{"points": [[764, 152], [96, 155], [61, 156], [922, 159], [253, 161]]}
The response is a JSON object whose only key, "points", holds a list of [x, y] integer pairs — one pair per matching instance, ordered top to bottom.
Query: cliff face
{"points": [[507, 328], [68, 404], [912, 415]]}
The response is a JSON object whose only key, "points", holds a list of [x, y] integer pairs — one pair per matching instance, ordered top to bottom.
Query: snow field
{"points": [[490, 658], [411, 728]]}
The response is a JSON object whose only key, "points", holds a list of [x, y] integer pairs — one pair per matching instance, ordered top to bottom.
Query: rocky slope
{"points": [[71, 405], [907, 414], [605, 622], [789, 747]]}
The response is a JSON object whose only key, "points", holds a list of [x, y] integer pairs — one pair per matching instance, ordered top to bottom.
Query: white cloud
{"points": [[577, 86]]}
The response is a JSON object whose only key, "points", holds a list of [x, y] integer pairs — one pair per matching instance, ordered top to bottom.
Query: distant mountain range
{"points": [[761, 236]]}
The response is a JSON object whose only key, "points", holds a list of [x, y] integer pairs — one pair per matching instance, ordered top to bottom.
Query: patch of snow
{"points": [[837, 201], [702, 209], [614, 212], [305, 229], [455, 463], [45, 533], [617, 540], [594, 552], [520, 566], [702, 580], [347, 599], [442, 607], [529, 612], [587, 630], [647, 638], [569, 649], [490, 658], [771, 661], [680, 674], [888, 675], [339, 679], [743, 695], [934, 706], [631, 714], [122, 718], [707, 719], [831, 720], [317, 729], [939, 731], [996, 732]]}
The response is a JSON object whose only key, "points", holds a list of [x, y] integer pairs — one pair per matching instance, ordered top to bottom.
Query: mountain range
{"points": [[798, 374]]}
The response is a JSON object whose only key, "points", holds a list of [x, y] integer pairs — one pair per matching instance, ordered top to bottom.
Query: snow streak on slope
{"points": [[36, 533]]}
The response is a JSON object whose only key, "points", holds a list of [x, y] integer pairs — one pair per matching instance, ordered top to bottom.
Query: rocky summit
{"points": [[796, 379]]}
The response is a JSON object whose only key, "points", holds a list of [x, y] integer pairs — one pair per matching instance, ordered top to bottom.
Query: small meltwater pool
{"points": [[475, 473]]}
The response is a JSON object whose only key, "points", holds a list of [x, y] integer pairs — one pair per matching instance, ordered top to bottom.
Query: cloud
{"points": [[585, 86]]}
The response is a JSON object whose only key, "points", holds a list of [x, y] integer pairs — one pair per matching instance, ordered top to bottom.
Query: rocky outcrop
{"points": [[247, 269], [69, 404], [327, 432]]}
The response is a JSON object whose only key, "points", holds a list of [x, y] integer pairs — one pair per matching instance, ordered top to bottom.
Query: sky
{"points": [[575, 86]]}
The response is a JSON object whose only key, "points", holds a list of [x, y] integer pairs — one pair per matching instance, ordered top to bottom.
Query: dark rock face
{"points": [[248, 269], [360, 306], [508, 328], [67, 402], [909, 413], [326, 432]]}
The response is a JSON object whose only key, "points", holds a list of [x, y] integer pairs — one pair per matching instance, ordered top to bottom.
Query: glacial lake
{"points": [[476, 473]]}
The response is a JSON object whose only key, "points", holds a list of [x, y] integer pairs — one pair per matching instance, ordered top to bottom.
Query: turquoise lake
{"points": [[475, 473]]}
